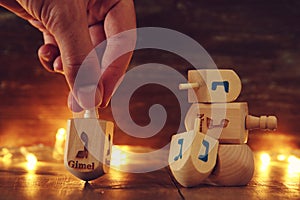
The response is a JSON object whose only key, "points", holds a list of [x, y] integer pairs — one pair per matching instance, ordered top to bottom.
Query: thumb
{"points": [[80, 62]]}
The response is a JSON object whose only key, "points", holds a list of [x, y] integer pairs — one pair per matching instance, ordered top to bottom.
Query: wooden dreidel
{"points": [[212, 85], [228, 122], [262, 122], [88, 146], [192, 156], [235, 166]]}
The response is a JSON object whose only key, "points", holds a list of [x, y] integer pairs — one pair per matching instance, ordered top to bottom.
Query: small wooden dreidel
{"points": [[212, 85], [228, 122], [88, 146], [192, 156], [235, 166]]}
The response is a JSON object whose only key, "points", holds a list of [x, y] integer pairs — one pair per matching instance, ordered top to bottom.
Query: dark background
{"points": [[258, 39]]}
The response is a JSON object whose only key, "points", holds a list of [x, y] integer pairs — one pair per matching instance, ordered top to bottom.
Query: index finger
{"points": [[16, 8], [80, 62]]}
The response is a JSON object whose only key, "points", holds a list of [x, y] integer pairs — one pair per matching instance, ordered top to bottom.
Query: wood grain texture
{"points": [[220, 85], [227, 122], [262, 122], [88, 147], [192, 157], [235, 166], [51, 180]]}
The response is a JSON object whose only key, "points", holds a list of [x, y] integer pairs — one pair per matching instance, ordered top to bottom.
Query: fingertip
{"points": [[47, 54], [57, 65], [89, 96], [72, 104]]}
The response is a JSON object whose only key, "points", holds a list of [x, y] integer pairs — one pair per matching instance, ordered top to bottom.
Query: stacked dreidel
{"points": [[88, 146], [214, 149]]}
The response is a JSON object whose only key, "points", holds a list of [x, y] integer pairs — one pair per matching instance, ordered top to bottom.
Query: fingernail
{"points": [[46, 55], [56, 67], [89, 96], [72, 104]]}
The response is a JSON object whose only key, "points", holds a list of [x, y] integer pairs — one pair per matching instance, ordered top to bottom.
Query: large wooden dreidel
{"points": [[212, 85], [228, 122], [88, 146], [192, 156], [235, 166]]}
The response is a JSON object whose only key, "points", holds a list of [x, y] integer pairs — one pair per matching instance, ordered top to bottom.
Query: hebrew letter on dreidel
{"points": [[225, 84], [210, 123], [233, 126], [180, 142], [87, 147], [84, 153], [198, 155], [204, 157]]}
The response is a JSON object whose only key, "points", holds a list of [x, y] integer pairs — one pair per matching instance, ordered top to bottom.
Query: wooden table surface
{"points": [[258, 39], [50, 180]]}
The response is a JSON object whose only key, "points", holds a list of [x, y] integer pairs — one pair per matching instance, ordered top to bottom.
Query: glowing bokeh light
{"points": [[61, 134], [59, 145], [6, 156], [118, 157], [281, 157], [30, 158], [265, 158], [31, 161], [294, 164]]}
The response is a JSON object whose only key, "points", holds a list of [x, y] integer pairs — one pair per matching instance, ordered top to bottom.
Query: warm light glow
{"points": [[61, 134], [59, 145], [6, 156], [118, 157], [281, 157], [30, 158], [265, 158], [293, 159], [31, 161], [294, 164], [30, 181]]}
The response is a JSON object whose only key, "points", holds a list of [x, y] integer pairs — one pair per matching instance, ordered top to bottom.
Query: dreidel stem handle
{"points": [[185, 86], [92, 113], [262, 122], [197, 125]]}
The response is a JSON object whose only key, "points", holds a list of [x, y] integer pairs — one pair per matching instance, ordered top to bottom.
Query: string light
{"points": [[59, 145], [6, 156], [118, 157], [281, 157], [30, 158], [265, 159], [294, 164]]}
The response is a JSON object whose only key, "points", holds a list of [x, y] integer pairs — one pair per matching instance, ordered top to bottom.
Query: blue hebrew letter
{"points": [[225, 84], [180, 141], [83, 154], [205, 156]]}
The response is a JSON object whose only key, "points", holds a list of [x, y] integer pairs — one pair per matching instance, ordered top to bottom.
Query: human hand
{"points": [[71, 30]]}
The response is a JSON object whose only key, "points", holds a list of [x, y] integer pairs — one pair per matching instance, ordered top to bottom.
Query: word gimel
{"points": [[77, 165]]}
